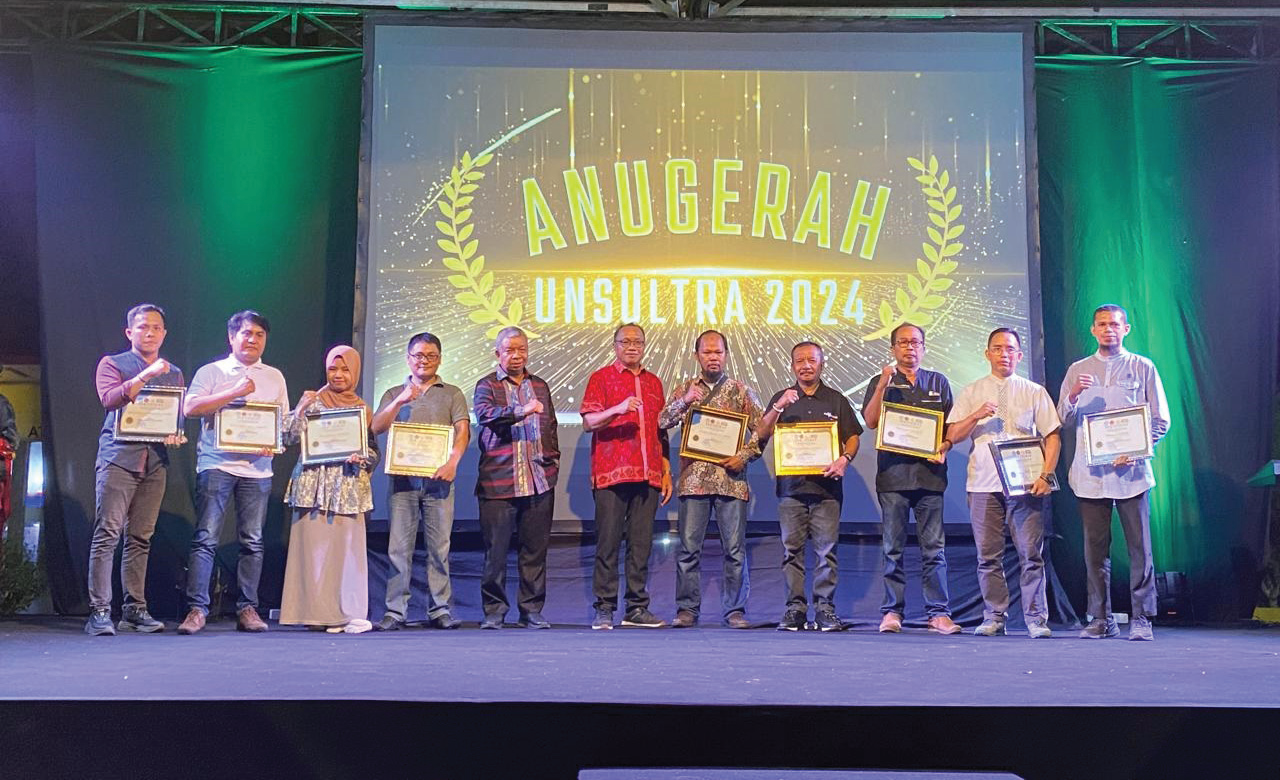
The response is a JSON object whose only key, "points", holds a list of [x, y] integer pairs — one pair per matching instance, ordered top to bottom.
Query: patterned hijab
{"points": [[333, 399]]}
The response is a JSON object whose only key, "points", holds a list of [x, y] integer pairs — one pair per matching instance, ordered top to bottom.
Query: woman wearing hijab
{"points": [[326, 576]]}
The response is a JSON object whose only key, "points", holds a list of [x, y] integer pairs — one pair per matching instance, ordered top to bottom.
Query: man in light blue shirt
{"points": [[1114, 378], [220, 475]]}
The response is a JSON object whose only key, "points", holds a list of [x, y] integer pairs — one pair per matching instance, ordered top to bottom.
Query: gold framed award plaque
{"points": [[153, 416], [249, 427], [909, 430], [1116, 432], [712, 434], [333, 435], [804, 448], [415, 450], [1020, 462]]}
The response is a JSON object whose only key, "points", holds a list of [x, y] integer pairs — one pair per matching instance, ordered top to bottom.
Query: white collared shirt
{"points": [[268, 387], [1030, 412]]}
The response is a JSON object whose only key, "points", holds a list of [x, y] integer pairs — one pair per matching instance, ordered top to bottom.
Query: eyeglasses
{"points": [[630, 342], [913, 343], [423, 357]]}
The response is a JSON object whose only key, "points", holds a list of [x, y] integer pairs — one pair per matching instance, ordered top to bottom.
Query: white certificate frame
{"points": [[170, 397], [893, 414], [689, 435], [224, 439], [1096, 452], [309, 455], [780, 456], [395, 467], [1014, 481]]}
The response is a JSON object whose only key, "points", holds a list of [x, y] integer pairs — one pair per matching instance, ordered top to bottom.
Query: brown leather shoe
{"points": [[684, 619], [247, 620], [737, 620], [193, 622], [891, 623], [943, 624]]}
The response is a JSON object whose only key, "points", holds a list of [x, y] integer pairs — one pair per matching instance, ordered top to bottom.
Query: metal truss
{"points": [[22, 24], [320, 24], [1212, 31], [1216, 39]]}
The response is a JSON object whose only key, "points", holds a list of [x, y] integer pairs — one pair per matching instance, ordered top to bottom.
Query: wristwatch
{"points": [[848, 457]]}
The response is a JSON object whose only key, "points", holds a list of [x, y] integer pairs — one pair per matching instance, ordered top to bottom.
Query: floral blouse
{"points": [[340, 488]]}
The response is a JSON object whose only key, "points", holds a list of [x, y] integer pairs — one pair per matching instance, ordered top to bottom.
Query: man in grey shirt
{"points": [[1114, 378], [427, 501]]}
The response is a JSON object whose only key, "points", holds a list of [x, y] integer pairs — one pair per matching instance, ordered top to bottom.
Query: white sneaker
{"points": [[357, 626], [990, 628], [1038, 629]]}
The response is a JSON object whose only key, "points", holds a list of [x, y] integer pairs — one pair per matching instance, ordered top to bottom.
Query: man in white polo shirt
{"points": [[239, 377], [998, 407]]}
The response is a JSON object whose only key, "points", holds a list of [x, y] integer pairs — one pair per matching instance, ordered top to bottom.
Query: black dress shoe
{"points": [[534, 620], [446, 621], [491, 621], [388, 623]]}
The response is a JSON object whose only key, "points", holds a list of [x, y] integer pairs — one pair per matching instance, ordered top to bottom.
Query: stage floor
{"points": [[52, 659]]}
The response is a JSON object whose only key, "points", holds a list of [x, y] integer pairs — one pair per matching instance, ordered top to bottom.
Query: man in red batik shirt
{"points": [[630, 472]]}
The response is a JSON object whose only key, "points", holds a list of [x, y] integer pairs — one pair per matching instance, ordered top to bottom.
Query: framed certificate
{"points": [[153, 416], [248, 427], [909, 430], [1116, 432], [712, 434], [332, 435], [804, 447], [418, 450], [1020, 462]]}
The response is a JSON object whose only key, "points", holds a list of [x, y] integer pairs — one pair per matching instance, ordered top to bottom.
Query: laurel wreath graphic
{"points": [[475, 285], [921, 295]]}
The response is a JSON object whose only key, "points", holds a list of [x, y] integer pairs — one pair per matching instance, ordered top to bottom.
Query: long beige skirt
{"points": [[326, 575]]}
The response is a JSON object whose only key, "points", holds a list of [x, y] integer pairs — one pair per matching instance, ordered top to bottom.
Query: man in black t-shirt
{"points": [[809, 505]]}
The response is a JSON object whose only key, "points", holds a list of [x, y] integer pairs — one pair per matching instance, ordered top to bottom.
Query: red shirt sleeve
{"points": [[110, 384]]}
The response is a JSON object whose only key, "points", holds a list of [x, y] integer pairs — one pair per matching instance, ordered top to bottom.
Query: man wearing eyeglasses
{"points": [[1114, 378], [425, 399], [998, 407], [630, 473], [907, 484]]}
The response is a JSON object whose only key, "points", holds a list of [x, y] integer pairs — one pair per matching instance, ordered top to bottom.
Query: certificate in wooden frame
{"points": [[153, 416], [893, 434], [232, 437], [788, 437], [404, 442], [695, 442], [318, 446]]}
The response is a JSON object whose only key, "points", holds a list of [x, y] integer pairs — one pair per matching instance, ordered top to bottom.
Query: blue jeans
{"points": [[214, 488], [430, 507], [894, 510], [731, 517], [803, 518]]}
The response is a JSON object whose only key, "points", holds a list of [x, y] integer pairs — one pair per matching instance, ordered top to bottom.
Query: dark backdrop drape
{"points": [[207, 180], [1158, 191]]}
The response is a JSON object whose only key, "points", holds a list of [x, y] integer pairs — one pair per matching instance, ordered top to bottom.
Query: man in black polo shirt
{"points": [[906, 483], [809, 506]]}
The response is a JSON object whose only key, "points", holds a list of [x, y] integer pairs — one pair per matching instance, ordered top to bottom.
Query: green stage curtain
{"points": [[205, 180], [1158, 191]]}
